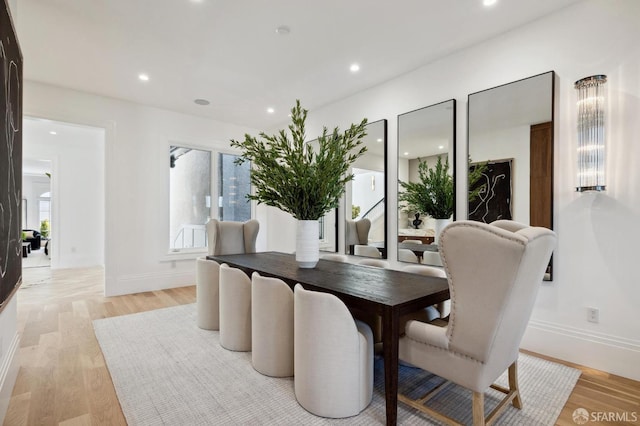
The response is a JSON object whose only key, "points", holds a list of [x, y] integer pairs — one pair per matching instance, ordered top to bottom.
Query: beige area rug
{"points": [[167, 371]]}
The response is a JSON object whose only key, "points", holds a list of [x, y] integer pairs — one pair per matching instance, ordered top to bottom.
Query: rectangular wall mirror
{"points": [[425, 137], [511, 153], [365, 197]]}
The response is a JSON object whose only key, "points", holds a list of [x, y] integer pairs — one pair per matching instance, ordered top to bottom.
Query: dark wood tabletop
{"points": [[386, 292]]}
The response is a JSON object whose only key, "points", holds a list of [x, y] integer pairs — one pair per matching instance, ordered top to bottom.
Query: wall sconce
{"points": [[591, 133]]}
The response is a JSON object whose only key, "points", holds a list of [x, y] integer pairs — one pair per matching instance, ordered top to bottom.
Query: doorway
{"points": [[75, 200], [36, 212]]}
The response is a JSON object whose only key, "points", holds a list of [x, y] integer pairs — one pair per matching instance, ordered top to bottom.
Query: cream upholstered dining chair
{"points": [[358, 231], [226, 237], [222, 238], [368, 251], [406, 255], [335, 257], [431, 258], [376, 263], [494, 272], [207, 294], [235, 309], [434, 312], [271, 326], [333, 356]]}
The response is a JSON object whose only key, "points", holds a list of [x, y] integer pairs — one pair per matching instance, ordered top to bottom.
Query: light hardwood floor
{"points": [[63, 379]]}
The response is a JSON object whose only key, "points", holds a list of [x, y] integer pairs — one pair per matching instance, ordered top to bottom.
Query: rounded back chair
{"points": [[368, 251], [406, 255], [335, 257], [376, 263], [207, 294], [443, 308], [235, 309], [271, 326], [333, 356]]}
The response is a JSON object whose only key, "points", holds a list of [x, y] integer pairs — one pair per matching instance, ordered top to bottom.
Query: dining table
{"points": [[386, 292]]}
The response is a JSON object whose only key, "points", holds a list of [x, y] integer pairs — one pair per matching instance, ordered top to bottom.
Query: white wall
{"points": [[137, 179], [78, 194], [595, 261]]}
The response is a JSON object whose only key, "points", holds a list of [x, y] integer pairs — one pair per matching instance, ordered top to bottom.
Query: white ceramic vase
{"points": [[440, 225], [307, 243]]}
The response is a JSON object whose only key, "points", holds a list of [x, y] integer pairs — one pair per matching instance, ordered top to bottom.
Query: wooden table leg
{"points": [[390, 336]]}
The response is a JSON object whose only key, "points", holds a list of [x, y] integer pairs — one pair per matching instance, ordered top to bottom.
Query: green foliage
{"points": [[475, 173], [293, 176], [433, 194], [355, 211], [44, 228], [24, 236]]}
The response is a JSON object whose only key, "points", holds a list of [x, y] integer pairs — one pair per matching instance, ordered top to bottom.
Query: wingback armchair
{"points": [[357, 233], [232, 237], [494, 272]]}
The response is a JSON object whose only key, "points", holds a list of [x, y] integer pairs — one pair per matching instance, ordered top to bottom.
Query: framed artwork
{"points": [[10, 158], [493, 201]]}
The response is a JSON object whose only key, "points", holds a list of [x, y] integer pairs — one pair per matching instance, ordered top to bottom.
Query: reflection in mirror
{"points": [[425, 136], [511, 153], [365, 197], [328, 232]]}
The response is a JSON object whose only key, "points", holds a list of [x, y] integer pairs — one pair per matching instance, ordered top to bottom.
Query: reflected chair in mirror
{"points": [[357, 233], [225, 237], [412, 241], [367, 251], [406, 255], [335, 257], [431, 258], [376, 263], [494, 275], [207, 294], [235, 309], [431, 313], [271, 326], [333, 356]]}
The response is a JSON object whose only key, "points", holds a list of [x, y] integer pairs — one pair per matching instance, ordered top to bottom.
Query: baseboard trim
{"points": [[151, 281], [613, 354], [8, 375]]}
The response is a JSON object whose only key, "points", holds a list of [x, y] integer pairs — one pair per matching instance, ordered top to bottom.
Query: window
{"points": [[191, 179], [233, 186]]}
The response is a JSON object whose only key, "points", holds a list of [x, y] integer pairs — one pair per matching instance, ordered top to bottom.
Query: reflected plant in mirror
{"points": [[511, 147], [426, 180], [365, 197]]}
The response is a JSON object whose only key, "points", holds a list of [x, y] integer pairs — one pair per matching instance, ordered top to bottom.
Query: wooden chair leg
{"points": [[513, 385], [478, 409]]}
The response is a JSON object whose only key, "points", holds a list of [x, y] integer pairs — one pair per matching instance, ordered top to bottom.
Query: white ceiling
{"points": [[229, 53]]}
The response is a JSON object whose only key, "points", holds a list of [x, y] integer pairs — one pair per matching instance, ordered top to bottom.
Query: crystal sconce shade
{"points": [[591, 133]]}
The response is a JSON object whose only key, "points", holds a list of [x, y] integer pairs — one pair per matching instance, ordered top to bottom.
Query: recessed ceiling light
{"points": [[489, 2], [283, 30], [354, 68], [143, 77], [202, 102], [271, 110], [53, 133], [379, 140], [441, 147], [406, 153]]}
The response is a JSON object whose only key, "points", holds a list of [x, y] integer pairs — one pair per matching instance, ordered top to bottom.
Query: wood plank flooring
{"points": [[63, 379]]}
